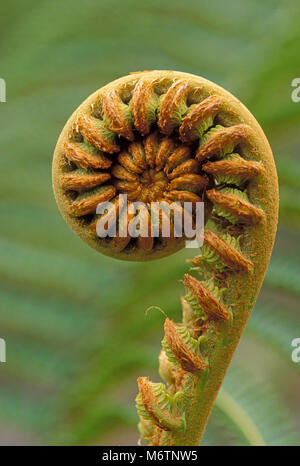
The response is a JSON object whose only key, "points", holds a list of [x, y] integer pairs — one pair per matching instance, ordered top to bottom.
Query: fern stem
{"points": [[197, 352]]}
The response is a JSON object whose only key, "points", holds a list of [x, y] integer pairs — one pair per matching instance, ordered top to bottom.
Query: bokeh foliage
{"points": [[74, 322]]}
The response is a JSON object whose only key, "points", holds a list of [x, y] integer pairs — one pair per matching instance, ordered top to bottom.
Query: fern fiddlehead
{"points": [[173, 136]]}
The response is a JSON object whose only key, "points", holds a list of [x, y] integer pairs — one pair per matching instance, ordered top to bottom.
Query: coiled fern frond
{"points": [[170, 136]]}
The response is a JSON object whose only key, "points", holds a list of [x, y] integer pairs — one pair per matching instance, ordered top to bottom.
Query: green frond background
{"points": [[74, 322]]}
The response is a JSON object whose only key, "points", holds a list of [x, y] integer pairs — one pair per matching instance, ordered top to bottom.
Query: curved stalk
{"points": [[237, 246], [240, 418]]}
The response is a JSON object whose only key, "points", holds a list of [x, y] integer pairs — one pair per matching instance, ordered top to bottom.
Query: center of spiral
{"points": [[153, 185]]}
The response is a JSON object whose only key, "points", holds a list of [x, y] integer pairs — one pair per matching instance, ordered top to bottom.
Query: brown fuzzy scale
{"points": [[142, 94], [170, 103], [207, 108], [112, 110], [90, 129], [222, 138], [166, 148], [151, 149], [76, 154], [138, 154], [180, 155], [127, 161], [189, 166], [237, 167], [120, 172], [78, 182], [193, 182], [126, 186], [136, 194], [183, 196], [89, 204], [245, 211], [230, 256], [208, 303], [188, 360], [148, 397], [165, 421]]}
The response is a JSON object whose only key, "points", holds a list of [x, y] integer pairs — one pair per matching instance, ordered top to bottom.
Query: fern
{"points": [[54, 299]]}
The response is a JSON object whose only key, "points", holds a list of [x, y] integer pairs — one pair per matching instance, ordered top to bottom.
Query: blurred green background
{"points": [[74, 321]]}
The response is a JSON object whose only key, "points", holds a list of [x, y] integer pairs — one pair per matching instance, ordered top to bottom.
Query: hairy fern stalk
{"points": [[172, 136]]}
